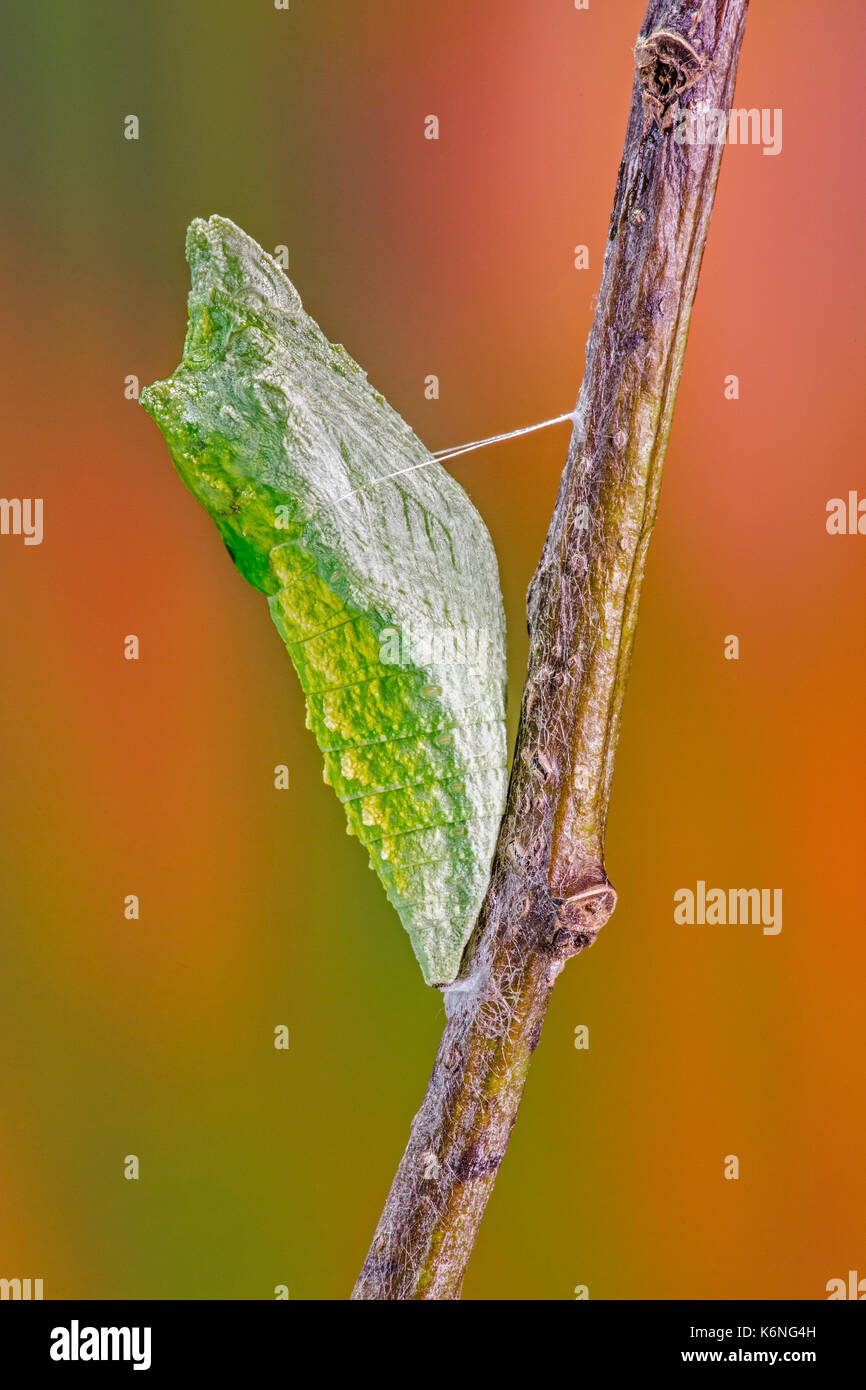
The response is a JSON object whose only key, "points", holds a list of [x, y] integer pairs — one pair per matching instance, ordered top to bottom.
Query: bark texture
{"points": [[549, 895]]}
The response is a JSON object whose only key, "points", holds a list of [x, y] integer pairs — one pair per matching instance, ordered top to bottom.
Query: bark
{"points": [[549, 895]]}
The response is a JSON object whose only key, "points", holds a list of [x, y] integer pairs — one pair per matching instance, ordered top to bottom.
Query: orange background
{"points": [[456, 258]]}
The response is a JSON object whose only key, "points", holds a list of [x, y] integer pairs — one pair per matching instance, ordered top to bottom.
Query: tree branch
{"points": [[549, 894]]}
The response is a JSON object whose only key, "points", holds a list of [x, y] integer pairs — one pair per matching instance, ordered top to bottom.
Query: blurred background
{"points": [[456, 258]]}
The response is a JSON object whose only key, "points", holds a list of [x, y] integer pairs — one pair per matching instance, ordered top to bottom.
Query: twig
{"points": [[549, 894]]}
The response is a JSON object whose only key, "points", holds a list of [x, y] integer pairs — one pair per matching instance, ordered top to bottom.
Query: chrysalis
{"points": [[380, 576]]}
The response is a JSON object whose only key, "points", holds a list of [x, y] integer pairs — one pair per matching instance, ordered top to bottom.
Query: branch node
{"points": [[667, 65]]}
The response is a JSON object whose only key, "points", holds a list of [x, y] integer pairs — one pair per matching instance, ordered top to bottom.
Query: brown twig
{"points": [[549, 894]]}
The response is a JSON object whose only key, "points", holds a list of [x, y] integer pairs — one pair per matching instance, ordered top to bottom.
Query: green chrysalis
{"points": [[380, 575]]}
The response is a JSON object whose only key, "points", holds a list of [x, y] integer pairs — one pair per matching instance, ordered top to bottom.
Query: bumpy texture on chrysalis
{"points": [[386, 592]]}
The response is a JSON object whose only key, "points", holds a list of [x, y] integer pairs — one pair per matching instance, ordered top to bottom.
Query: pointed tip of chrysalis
{"points": [[225, 262]]}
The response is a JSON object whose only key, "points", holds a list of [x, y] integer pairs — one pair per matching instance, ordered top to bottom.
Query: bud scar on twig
{"points": [[667, 65], [597, 902]]}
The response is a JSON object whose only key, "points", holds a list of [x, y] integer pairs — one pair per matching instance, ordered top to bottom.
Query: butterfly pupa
{"points": [[380, 575]]}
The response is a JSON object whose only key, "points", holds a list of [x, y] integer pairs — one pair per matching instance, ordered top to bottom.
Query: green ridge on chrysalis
{"points": [[384, 589]]}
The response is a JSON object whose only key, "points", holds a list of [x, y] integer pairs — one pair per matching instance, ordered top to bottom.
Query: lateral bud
{"points": [[580, 917]]}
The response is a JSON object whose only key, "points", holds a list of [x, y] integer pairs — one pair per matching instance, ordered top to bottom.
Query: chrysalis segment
{"points": [[384, 588], [353, 772]]}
